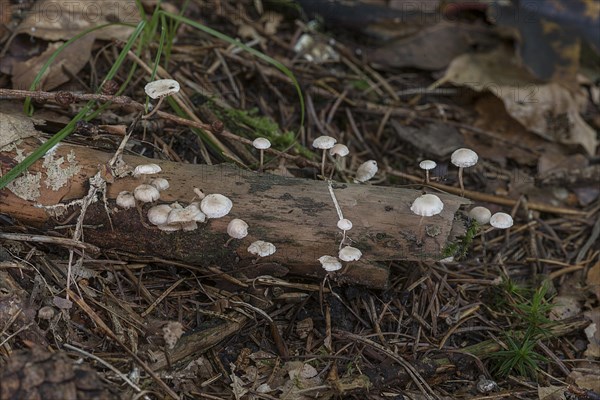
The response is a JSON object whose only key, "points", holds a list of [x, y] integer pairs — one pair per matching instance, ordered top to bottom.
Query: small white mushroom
{"points": [[161, 88], [323, 143], [261, 144], [338, 151], [463, 158], [427, 165], [146, 169], [366, 171], [160, 183], [146, 193], [125, 200], [216, 205], [426, 205], [480, 214], [158, 215], [183, 215], [501, 220], [345, 225], [236, 229], [262, 248], [349, 253], [330, 263]]}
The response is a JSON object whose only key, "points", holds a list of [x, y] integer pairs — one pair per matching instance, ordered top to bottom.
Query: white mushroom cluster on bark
{"points": [[146, 169], [175, 217], [330, 263]]}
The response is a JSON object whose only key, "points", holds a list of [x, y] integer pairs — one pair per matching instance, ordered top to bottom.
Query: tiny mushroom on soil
{"points": [[160, 89], [324, 143], [261, 144], [463, 158], [427, 165], [146, 169], [366, 171], [146, 193], [125, 200], [216, 205], [480, 214], [501, 220], [261, 248], [349, 253], [330, 263]]}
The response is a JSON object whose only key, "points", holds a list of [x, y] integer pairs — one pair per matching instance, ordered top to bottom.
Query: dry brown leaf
{"points": [[55, 20], [433, 47], [72, 59], [549, 110], [593, 280], [593, 333], [586, 380], [551, 392]]}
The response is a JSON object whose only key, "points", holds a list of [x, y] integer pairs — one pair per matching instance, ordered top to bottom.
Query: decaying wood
{"points": [[297, 215]]}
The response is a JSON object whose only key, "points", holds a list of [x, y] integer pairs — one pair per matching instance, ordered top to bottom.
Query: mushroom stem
{"points": [[154, 110], [262, 157], [336, 159], [323, 164], [426, 176], [460, 181], [420, 229], [228, 241]]}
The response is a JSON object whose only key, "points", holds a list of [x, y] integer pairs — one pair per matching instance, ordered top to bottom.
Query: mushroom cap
{"points": [[161, 88], [324, 142], [261, 143], [340, 150], [464, 158], [427, 164], [146, 169], [366, 171], [160, 183], [146, 193], [125, 199], [216, 205], [427, 205], [480, 214], [158, 215], [183, 215], [200, 217], [501, 220], [344, 224], [237, 228], [262, 248], [349, 253], [330, 263]]}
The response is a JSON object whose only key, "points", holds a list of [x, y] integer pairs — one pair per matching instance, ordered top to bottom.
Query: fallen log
{"points": [[297, 215]]}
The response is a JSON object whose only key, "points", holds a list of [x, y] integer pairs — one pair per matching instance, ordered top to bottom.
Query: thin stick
{"points": [[106, 364]]}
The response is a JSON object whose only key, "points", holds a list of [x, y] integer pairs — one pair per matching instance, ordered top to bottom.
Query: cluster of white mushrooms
{"points": [[429, 204], [176, 217]]}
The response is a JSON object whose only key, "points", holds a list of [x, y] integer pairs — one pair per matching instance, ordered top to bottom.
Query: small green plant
{"points": [[460, 248], [529, 324], [519, 356]]}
